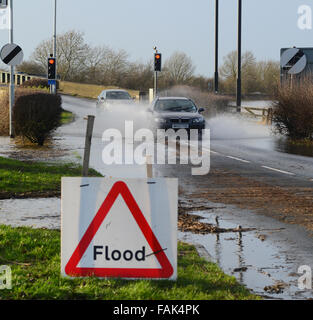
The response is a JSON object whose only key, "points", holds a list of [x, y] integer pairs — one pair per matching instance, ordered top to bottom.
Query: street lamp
{"points": [[55, 44], [216, 47], [239, 56], [12, 83]]}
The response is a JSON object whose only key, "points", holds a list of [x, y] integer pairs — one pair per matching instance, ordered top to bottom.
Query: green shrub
{"points": [[4, 107], [293, 111], [4, 112], [36, 116]]}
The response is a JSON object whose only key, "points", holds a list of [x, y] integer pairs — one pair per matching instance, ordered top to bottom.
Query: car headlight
{"points": [[160, 120], [197, 120]]}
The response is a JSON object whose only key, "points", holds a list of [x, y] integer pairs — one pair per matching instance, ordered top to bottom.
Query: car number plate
{"points": [[180, 125]]}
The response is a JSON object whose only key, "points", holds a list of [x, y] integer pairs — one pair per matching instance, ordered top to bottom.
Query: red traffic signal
{"points": [[157, 62], [51, 69]]}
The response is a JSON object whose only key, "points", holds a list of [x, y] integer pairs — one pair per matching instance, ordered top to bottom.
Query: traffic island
{"points": [[21, 179], [34, 258]]}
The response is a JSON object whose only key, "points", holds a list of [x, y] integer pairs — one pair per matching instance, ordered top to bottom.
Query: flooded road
{"points": [[262, 137], [242, 188], [34, 213], [265, 260]]}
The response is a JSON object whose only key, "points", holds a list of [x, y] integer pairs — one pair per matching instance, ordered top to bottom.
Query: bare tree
{"points": [[71, 54], [94, 62], [114, 66], [31, 67], [178, 69], [228, 72], [139, 76], [269, 76]]}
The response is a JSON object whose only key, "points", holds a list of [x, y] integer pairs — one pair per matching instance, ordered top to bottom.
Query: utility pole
{"points": [[55, 44], [239, 56], [155, 77], [12, 83], [155, 84], [216, 88]]}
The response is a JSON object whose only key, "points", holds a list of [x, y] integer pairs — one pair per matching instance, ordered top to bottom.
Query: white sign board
{"points": [[5, 16], [119, 229]]}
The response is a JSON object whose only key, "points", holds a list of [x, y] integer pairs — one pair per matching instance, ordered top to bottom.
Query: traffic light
{"points": [[3, 3], [157, 62], [51, 69]]}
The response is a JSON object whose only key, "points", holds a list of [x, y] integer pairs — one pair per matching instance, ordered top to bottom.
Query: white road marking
{"points": [[214, 152], [238, 159], [246, 161], [277, 170]]}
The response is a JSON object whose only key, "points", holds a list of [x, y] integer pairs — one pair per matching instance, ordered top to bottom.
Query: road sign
{"points": [[12, 54], [293, 61], [120, 229]]}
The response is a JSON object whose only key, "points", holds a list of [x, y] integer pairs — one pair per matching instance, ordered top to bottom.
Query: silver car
{"points": [[113, 97]]}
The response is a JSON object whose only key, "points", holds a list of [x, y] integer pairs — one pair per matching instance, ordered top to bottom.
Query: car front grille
{"points": [[180, 120]]}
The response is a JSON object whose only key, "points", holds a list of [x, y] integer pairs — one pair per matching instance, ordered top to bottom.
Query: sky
{"points": [[172, 25]]}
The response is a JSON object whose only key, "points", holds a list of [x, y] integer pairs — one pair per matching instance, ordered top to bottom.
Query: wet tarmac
{"points": [[267, 257], [265, 260]]}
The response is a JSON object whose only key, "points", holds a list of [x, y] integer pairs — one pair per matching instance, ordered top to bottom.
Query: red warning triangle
{"points": [[120, 188]]}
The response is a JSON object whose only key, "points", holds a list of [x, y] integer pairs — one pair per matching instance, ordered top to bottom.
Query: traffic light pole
{"points": [[239, 56], [157, 68], [12, 83], [155, 84], [54, 87], [216, 87]]}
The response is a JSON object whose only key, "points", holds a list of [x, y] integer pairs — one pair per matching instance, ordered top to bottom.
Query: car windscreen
{"points": [[118, 95], [175, 105]]}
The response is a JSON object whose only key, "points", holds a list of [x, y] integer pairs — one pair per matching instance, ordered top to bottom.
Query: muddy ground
{"points": [[287, 204]]}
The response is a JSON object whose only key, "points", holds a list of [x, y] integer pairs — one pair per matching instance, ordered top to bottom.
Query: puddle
{"points": [[36, 213], [260, 258]]}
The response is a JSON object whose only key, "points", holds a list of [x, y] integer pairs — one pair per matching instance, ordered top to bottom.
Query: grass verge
{"points": [[90, 91], [67, 117], [34, 177], [34, 258]]}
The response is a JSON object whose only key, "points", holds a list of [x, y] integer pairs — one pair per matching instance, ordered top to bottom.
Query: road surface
{"points": [[246, 169], [249, 184]]}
